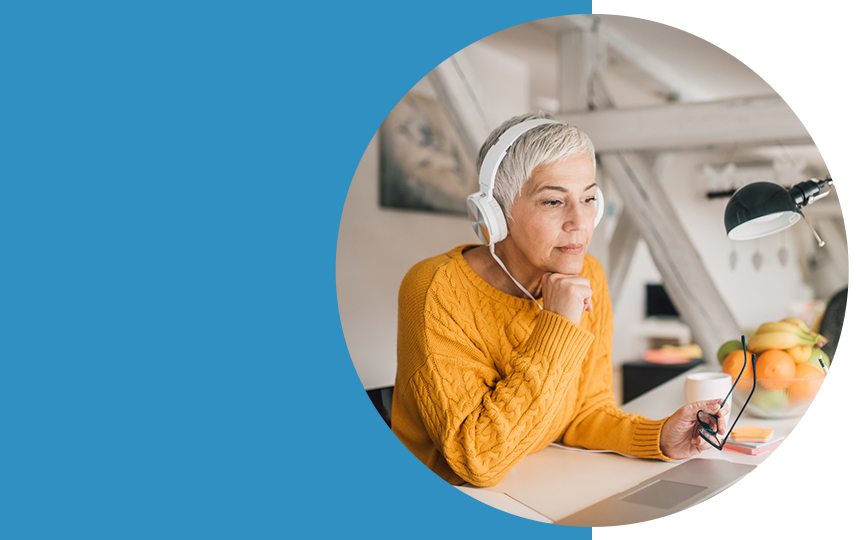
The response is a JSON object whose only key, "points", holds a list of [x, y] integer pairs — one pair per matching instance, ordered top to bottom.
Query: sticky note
{"points": [[752, 432]]}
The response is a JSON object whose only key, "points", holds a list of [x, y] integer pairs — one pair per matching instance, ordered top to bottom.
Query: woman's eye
{"points": [[554, 203]]}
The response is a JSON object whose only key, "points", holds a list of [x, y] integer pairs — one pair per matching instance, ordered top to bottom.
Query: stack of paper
{"points": [[752, 440]]}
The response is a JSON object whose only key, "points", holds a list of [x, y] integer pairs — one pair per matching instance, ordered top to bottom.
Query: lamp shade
{"points": [[759, 209]]}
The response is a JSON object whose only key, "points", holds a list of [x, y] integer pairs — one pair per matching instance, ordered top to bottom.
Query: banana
{"points": [[798, 323], [782, 327], [785, 334], [774, 336], [819, 340], [761, 342]]}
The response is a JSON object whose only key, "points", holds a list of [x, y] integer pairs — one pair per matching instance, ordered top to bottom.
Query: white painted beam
{"points": [[635, 60], [577, 66], [685, 88], [463, 99], [756, 121], [622, 247], [684, 275]]}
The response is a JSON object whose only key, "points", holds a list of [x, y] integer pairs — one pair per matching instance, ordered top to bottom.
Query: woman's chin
{"points": [[569, 265]]}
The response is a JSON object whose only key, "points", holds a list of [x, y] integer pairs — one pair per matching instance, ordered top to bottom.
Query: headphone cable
{"points": [[522, 288]]}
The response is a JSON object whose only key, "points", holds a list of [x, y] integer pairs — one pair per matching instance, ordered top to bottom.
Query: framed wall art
{"points": [[423, 164]]}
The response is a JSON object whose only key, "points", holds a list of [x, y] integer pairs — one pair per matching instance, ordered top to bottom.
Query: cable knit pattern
{"points": [[485, 378]]}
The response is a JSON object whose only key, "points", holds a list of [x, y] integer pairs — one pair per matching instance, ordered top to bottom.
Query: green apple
{"points": [[727, 348], [814, 361], [770, 399]]}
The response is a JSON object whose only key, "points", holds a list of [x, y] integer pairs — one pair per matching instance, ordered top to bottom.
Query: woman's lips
{"points": [[571, 249]]}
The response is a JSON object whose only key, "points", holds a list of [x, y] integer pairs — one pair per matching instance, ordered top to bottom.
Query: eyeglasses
{"points": [[708, 427]]}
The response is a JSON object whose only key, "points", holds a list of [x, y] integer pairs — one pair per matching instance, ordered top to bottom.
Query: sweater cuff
{"points": [[555, 336], [646, 439]]}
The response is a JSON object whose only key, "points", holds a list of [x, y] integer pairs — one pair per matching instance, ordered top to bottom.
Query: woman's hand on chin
{"points": [[566, 295]]}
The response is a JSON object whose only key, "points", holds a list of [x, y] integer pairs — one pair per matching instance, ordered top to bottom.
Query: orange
{"points": [[733, 363], [778, 367], [806, 388]]}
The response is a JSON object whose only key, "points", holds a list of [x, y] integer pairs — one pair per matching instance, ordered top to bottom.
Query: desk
{"points": [[548, 485]]}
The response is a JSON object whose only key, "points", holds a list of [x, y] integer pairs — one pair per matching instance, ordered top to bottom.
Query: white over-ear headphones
{"points": [[486, 216]]}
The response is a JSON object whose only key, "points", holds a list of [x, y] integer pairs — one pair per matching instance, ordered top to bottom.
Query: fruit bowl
{"points": [[777, 398]]}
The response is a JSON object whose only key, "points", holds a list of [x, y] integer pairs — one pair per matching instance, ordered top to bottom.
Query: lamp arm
{"points": [[820, 243]]}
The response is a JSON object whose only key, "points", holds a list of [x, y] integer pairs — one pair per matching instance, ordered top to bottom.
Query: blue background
{"points": [[171, 182]]}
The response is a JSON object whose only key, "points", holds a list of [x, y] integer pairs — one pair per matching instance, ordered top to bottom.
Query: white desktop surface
{"points": [[557, 482]]}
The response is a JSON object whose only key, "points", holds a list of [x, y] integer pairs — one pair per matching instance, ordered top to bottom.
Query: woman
{"points": [[487, 374]]}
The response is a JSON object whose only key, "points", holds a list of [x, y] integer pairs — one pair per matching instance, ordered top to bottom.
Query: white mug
{"points": [[706, 386]]}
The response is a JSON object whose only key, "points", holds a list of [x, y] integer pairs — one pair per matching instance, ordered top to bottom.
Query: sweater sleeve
{"points": [[482, 421], [600, 423]]}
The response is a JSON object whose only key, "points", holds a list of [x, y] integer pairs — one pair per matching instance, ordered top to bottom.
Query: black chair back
{"points": [[832, 321], [382, 400]]}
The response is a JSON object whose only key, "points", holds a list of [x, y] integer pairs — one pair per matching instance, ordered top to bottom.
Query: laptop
{"points": [[678, 488]]}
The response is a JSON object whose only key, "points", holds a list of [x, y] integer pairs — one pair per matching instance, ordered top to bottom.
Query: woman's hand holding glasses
{"points": [[698, 426], [680, 437]]}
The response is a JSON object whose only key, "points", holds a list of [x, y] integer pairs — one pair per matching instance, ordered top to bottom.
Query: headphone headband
{"points": [[494, 157]]}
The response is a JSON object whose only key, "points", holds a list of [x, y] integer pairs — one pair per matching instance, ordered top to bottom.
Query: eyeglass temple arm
{"points": [[754, 382], [728, 395]]}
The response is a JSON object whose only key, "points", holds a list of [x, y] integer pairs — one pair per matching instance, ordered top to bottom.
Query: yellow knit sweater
{"points": [[485, 378]]}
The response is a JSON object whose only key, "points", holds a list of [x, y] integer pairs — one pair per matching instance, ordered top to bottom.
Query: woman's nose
{"points": [[573, 219]]}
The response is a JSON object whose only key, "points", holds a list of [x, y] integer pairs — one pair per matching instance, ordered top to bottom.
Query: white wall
{"points": [[376, 247]]}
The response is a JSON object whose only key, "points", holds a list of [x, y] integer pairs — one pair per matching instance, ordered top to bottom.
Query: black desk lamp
{"points": [[764, 208]]}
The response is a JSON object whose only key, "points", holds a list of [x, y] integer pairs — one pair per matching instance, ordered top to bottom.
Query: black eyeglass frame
{"points": [[708, 429]]}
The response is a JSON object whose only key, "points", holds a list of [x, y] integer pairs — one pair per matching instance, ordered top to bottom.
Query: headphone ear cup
{"points": [[599, 204], [486, 218], [477, 221], [500, 227]]}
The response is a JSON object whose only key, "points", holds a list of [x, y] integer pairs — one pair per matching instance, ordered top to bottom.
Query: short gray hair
{"points": [[542, 145]]}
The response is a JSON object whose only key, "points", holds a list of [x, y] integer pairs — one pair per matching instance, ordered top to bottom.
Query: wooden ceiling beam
{"points": [[634, 60], [461, 96], [755, 121]]}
